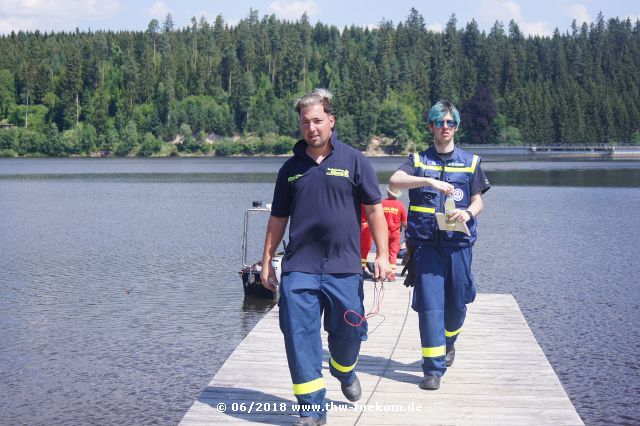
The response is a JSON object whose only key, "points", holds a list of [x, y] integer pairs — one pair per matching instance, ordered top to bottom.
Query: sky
{"points": [[534, 17]]}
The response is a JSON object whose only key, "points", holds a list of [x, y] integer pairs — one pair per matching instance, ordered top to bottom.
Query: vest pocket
{"points": [[459, 178], [461, 195], [421, 225]]}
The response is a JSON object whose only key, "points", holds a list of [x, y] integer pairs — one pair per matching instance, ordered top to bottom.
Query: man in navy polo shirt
{"points": [[320, 190]]}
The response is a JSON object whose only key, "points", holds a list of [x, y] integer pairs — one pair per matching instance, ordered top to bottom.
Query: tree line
{"points": [[214, 87]]}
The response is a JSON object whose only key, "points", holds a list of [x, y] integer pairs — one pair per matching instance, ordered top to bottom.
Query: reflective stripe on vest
{"points": [[447, 169], [431, 210]]}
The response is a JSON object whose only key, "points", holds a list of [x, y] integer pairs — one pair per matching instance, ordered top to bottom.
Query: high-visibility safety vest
{"points": [[425, 202]]}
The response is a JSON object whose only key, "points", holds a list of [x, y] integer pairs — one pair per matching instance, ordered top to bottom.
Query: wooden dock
{"points": [[500, 374]]}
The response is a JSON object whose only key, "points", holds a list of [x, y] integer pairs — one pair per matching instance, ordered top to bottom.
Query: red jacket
{"points": [[395, 213]]}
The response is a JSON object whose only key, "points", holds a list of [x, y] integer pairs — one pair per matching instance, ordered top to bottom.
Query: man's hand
{"points": [[444, 187], [458, 215], [275, 232], [382, 269], [268, 277]]}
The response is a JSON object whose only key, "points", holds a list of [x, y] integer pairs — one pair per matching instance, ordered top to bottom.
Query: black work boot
{"points": [[450, 356], [430, 382], [352, 392]]}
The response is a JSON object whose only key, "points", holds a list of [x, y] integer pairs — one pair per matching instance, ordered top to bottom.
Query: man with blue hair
{"points": [[442, 179]]}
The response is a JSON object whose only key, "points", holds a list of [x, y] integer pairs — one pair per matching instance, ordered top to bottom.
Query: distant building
{"points": [[6, 125]]}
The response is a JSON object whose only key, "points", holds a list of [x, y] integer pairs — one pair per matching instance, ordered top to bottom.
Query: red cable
{"points": [[378, 296]]}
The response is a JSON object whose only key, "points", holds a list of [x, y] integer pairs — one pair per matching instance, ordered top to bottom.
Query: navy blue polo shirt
{"points": [[323, 204]]}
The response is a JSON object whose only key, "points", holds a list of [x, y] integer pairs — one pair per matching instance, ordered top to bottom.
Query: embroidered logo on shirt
{"points": [[337, 172], [293, 178], [458, 195]]}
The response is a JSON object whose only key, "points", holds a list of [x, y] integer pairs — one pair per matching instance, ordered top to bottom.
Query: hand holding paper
{"points": [[446, 225]]}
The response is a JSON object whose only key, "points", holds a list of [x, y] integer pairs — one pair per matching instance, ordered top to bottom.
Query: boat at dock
{"points": [[250, 272]]}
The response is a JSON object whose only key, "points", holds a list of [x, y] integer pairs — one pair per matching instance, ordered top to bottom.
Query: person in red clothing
{"points": [[396, 216], [365, 244]]}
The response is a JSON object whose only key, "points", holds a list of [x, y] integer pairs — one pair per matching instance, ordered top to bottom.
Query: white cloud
{"points": [[286, 9], [159, 10], [507, 10], [504, 11], [579, 13], [47, 15], [210, 17], [17, 24], [436, 27], [536, 28]]}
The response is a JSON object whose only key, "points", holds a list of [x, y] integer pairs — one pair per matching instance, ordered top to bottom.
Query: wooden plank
{"points": [[500, 375]]}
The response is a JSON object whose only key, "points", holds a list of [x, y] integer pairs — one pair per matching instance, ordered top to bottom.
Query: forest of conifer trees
{"points": [[129, 93]]}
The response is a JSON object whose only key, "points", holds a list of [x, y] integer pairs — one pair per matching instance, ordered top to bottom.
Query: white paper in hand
{"points": [[446, 225], [455, 226]]}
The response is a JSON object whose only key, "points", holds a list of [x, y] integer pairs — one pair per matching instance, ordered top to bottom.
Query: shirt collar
{"points": [[300, 148], [432, 150]]}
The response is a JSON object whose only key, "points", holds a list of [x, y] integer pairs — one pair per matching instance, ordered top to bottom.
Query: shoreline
{"points": [[531, 151]]}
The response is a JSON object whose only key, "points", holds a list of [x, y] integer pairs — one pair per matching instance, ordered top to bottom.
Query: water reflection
{"points": [[224, 177], [615, 177], [257, 304], [253, 307]]}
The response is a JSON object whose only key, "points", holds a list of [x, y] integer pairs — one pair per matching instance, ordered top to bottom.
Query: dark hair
{"points": [[317, 97]]}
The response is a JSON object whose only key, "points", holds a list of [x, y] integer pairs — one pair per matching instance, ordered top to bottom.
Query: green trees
{"points": [[7, 92], [128, 93], [202, 113], [35, 114], [478, 114], [398, 121], [128, 140]]}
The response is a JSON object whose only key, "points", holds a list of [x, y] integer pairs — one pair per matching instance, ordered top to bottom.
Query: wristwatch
{"points": [[470, 214]]}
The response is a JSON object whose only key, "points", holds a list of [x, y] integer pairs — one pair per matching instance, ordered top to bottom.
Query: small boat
{"points": [[250, 272]]}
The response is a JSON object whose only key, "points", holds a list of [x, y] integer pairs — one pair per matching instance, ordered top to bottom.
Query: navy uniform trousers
{"points": [[444, 285], [303, 299]]}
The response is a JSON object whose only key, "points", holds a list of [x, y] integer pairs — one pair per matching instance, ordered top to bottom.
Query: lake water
{"points": [[120, 297]]}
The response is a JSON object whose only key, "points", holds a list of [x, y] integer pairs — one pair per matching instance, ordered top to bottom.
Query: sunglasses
{"points": [[450, 123]]}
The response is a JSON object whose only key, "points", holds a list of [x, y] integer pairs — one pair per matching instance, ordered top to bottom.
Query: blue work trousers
{"points": [[444, 285], [303, 299]]}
